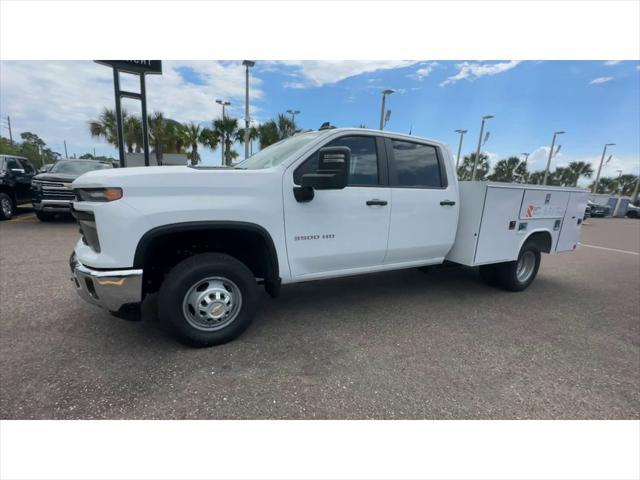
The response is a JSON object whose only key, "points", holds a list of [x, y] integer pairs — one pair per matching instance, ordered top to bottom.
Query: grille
{"points": [[57, 191]]}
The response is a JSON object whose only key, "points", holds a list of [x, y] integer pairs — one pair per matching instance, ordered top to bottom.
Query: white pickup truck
{"points": [[317, 205]]}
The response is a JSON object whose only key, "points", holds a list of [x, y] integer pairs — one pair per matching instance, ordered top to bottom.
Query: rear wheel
{"points": [[6, 207], [632, 214], [518, 275], [208, 299]]}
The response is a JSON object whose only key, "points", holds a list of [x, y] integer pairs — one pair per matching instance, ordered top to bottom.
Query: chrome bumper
{"points": [[52, 205], [110, 289]]}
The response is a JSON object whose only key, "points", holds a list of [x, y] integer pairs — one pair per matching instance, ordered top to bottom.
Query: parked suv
{"points": [[15, 179], [51, 191]]}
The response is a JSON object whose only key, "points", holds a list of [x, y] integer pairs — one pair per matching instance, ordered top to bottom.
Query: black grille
{"points": [[57, 191]]}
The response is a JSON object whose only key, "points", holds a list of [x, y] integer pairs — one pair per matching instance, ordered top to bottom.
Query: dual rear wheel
{"points": [[517, 275]]}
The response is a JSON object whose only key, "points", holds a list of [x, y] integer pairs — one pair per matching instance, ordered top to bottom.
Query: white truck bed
{"points": [[496, 218]]}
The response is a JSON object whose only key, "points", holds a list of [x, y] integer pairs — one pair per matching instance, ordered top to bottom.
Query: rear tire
{"points": [[6, 207], [632, 214], [44, 216], [518, 275], [208, 299]]}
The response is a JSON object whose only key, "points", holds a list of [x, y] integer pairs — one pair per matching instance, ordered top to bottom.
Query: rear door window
{"points": [[416, 165]]}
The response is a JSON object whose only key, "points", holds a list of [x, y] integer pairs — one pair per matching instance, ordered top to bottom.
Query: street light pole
{"points": [[248, 64], [386, 92], [224, 103], [293, 114], [461, 132], [553, 143], [604, 152], [475, 161], [615, 210]]}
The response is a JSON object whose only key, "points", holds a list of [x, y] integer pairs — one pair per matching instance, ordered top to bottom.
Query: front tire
{"points": [[6, 207], [44, 216], [518, 275], [208, 299]]}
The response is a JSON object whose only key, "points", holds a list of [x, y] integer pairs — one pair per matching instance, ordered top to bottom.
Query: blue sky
{"points": [[595, 102]]}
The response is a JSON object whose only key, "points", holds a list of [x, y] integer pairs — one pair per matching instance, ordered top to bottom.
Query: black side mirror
{"points": [[333, 169]]}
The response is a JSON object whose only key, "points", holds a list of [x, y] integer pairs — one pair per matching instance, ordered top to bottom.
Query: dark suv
{"points": [[15, 181], [51, 191]]}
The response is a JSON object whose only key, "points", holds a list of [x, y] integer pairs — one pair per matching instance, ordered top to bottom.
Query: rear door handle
{"points": [[375, 201], [447, 203]]}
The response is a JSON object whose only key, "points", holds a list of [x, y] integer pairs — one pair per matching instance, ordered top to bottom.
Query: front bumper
{"points": [[52, 206], [111, 289]]}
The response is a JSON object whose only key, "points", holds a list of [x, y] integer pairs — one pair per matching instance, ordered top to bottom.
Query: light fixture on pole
{"points": [[248, 64], [386, 92], [224, 103], [293, 114], [461, 132], [604, 152], [551, 154], [526, 156], [475, 160]]}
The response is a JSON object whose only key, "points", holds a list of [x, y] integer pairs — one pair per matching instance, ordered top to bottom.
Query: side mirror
{"points": [[333, 169], [17, 170]]}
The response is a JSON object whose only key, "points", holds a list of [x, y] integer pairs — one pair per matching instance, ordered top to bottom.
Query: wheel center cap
{"points": [[217, 309]]}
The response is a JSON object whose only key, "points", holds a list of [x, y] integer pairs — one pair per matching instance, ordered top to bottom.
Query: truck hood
{"points": [[55, 177], [173, 179]]}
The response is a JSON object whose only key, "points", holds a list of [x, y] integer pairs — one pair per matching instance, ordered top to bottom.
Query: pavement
{"points": [[397, 345]]}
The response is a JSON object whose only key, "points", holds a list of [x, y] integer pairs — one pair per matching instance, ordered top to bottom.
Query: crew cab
{"points": [[316, 205]]}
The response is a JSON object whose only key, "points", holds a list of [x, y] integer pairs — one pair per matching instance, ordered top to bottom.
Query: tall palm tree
{"points": [[106, 126], [132, 127], [227, 130], [275, 130], [192, 133], [158, 134], [253, 135], [209, 138], [579, 169], [465, 170], [505, 170]]}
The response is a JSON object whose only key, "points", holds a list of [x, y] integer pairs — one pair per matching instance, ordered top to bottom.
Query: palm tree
{"points": [[105, 127], [132, 127], [227, 129], [275, 130], [191, 132], [158, 134], [253, 135], [209, 138], [579, 169], [465, 170], [505, 170]]}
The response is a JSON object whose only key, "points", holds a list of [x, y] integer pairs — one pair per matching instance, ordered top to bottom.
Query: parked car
{"points": [[46, 167], [15, 179], [51, 192], [317, 205], [597, 210], [633, 211]]}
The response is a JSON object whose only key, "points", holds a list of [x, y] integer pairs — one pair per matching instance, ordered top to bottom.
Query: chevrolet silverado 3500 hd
{"points": [[317, 205]]}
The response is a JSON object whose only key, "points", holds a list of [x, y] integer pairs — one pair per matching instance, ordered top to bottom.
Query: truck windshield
{"points": [[274, 154], [77, 168]]}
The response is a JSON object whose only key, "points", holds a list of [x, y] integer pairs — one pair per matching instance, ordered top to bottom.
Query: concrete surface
{"points": [[400, 345]]}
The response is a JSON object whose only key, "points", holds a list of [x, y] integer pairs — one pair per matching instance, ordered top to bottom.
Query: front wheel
{"points": [[6, 207], [518, 275], [208, 299]]}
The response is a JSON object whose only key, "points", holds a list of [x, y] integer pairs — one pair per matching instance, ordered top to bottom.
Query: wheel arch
{"points": [[251, 232], [542, 238]]}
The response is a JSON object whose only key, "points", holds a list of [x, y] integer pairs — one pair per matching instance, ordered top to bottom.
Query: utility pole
{"points": [[248, 64], [386, 92], [224, 103], [461, 132], [10, 133], [553, 143], [604, 152], [66, 155], [477, 159], [615, 210]]}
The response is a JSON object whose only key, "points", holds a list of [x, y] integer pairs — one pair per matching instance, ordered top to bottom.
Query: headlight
{"points": [[98, 194]]}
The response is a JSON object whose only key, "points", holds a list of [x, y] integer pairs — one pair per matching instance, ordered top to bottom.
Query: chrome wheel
{"points": [[7, 208], [526, 266], [212, 304]]}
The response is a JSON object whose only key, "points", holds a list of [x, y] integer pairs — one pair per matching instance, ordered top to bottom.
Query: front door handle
{"points": [[375, 201], [447, 203]]}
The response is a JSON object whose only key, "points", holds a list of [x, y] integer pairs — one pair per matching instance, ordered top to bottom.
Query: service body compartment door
{"points": [[572, 222], [499, 238]]}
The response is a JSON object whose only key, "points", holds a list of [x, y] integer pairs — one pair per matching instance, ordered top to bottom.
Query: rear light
{"points": [[98, 194]]}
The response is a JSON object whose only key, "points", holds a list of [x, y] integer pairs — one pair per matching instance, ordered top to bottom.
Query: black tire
{"points": [[7, 208], [632, 214], [44, 216], [507, 273], [488, 274], [184, 278]]}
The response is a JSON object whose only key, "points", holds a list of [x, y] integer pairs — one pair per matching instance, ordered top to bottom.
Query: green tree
{"points": [[106, 127], [132, 127], [227, 130], [275, 130], [192, 132], [253, 135], [209, 138], [465, 169], [509, 170], [577, 170], [612, 185]]}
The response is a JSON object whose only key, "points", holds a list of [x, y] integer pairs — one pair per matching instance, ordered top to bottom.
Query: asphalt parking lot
{"points": [[399, 345]]}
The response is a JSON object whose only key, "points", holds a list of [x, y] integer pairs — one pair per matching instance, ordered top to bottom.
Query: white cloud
{"points": [[612, 62], [473, 70], [423, 71], [322, 72], [598, 80], [294, 85], [57, 99]]}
